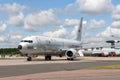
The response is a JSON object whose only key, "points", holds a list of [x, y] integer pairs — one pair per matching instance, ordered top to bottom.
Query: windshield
{"points": [[29, 41]]}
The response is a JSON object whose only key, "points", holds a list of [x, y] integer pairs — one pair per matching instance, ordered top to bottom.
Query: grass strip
{"points": [[117, 66]]}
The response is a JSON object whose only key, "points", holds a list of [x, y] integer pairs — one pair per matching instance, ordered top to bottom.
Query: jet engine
{"points": [[72, 53], [114, 53], [104, 54]]}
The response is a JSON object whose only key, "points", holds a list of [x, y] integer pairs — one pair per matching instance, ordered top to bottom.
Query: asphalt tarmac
{"points": [[52, 66]]}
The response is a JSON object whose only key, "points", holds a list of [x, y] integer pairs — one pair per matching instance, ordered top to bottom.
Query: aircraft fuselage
{"points": [[46, 45]]}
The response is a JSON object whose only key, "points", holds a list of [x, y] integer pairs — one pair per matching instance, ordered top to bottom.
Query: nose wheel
{"points": [[48, 57], [29, 59]]}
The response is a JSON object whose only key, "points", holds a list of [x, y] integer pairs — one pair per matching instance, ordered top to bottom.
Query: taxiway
{"points": [[11, 67]]}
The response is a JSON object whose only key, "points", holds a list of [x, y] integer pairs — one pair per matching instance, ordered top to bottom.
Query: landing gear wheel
{"points": [[47, 57], [29, 59], [70, 59]]}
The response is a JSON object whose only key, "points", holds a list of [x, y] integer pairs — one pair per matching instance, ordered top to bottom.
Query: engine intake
{"points": [[72, 53]]}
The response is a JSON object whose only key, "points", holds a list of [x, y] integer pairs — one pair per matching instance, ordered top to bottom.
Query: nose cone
{"points": [[19, 47]]}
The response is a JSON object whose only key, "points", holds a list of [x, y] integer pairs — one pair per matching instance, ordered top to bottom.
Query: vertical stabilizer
{"points": [[79, 31]]}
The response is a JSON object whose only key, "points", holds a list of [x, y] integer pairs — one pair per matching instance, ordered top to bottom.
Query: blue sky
{"points": [[59, 18]]}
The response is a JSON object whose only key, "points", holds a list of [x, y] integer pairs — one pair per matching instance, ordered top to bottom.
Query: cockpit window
{"points": [[29, 41]]}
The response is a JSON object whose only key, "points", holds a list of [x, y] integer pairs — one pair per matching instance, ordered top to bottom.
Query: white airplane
{"points": [[39, 45], [103, 52], [106, 52], [115, 52]]}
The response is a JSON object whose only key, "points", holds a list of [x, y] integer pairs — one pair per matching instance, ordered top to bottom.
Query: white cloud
{"points": [[95, 6], [92, 7], [71, 8], [12, 9], [14, 13], [116, 13], [41, 19], [17, 20], [71, 22], [96, 24], [116, 24], [3, 27], [109, 32], [58, 33], [74, 33], [15, 37], [2, 38], [94, 42]]}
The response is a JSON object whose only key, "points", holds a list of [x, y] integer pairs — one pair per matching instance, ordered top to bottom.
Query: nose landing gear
{"points": [[29, 59]]}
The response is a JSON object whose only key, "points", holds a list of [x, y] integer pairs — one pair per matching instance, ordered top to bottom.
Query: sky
{"points": [[59, 18]]}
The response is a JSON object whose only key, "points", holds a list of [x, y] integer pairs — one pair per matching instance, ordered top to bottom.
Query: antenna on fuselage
{"points": [[79, 31]]}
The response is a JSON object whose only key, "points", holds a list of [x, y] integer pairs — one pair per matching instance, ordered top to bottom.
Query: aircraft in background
{"points": [[39, 45], [108, 51], [97, 52], [103, 52], [115, 52]]}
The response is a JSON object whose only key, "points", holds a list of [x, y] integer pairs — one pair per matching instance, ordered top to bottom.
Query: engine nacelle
{"points": [[72, 53], [114, 53], [104, 54]]}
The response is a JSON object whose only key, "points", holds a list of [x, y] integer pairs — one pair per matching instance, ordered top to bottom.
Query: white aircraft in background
{"points": [[39, 45], [98, 52], [103, 52], [107, 52], [115, 52]]}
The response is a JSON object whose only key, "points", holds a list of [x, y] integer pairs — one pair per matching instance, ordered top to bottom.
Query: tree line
{"points": [[9, 51]]}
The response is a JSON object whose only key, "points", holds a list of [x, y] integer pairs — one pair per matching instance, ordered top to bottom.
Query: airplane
{"points": [[33, 46], [102, 52], [115, 52]]}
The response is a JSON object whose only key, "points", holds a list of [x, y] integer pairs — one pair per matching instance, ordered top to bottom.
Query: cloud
{"points": [[91, 7], [71, 8], [12, 9], [14, 13], [116, 13], [40, 19], [17, 20], [71, 22], [96, 24], [116, 24], [3, 27], [109, 32], [58, 33], [74, 33], [15, 37], [2, 38]]}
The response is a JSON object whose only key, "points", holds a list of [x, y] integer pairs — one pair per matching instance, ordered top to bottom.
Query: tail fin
{"points": [[79, 32]]}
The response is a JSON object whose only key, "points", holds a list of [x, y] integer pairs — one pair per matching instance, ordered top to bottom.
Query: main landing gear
{"points": [[48, 57], [29, 59], [70, 59]]}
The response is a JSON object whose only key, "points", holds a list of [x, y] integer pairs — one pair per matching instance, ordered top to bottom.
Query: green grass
{"points": [[106, 67]]}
